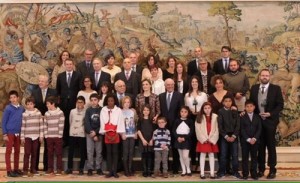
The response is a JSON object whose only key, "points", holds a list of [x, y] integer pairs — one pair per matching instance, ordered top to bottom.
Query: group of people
{"points": [[186, 111]]}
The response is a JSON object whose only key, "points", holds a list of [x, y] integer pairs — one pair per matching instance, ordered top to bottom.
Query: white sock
{"points": [[202, 163], [211, 163]]}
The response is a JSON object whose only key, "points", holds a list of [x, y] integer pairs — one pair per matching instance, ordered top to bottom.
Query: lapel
{"points": [[172, 103]]}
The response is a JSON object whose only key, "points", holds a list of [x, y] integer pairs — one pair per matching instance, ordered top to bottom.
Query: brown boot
{"points": [[156, 174], [165, 175]]}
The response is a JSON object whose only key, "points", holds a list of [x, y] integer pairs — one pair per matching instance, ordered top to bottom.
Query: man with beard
{"points": [[237, 82], [269, 102]]}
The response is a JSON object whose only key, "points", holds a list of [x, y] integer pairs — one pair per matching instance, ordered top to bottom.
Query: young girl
{"points": [[105, 88], [130, 118], [112, 125], [182, 130], [145, 131], [207, 133]]}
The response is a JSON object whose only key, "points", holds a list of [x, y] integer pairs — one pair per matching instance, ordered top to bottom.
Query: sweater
{"points": [[237, 83], [116, 118], [12, 119], [92, 120], [54, 123], [77, 123], [228, 123], [32, 125], [201, 130], [161, 136]]}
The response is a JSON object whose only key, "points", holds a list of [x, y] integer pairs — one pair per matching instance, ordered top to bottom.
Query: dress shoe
{"points": [[68, 171], [18, 172], [58, 172], [80, 172], [90, 172], [100, 172], [11, 174], [145, 174], [183, 174], [189, 174], [260, 174], [109, 175], [116, 175], [165, 175], [220, 175], [237, 175], [271, 175], [202, 177], [212, 177], [244, 177], [254, 177]]}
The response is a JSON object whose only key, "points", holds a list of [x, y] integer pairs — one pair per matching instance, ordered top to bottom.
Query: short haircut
{"points": [[226, 47], [265, 69], [13, 92], [95, 95], [110, 95], [226, 97], [80, 98], [29, 99], [52, 100], [249, 102], [162, 119]]}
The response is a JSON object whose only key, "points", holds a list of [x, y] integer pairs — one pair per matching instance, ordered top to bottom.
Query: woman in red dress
{"points": [[207, 133]]}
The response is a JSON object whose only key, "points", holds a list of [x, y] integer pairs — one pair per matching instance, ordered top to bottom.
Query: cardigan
{"points": [[201, 130]]}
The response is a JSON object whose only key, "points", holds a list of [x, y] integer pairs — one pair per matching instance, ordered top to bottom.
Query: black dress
{"points": [[167, 74], [186, 126], [147, 128]]}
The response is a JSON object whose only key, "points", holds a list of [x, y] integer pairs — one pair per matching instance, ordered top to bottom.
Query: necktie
{"points": [[226, 64], [88, 65], [127, 75], [96, 78], [69, 79], [262, 90], [44, 94], [168, 101]]}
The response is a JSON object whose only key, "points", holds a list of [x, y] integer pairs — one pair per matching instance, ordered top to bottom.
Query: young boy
{"points": [[11, 127], [229, 129], [53, 131], [32, 132], [250, 133], [77, 135], [93, 138], [162, 141]]}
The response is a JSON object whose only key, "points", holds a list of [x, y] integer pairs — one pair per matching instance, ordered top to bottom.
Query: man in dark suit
{"points": [[193, 64], [134, 65], [221, 66], [85, 67], [99, 76], [205, 76], [132, 79], [67, 87], [120, 89], [40, 94], [269, 102], [170, 104]]}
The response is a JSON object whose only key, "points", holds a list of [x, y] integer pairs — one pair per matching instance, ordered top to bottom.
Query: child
{"points": [[105, 88], [112, 125], [11, 127], [229, 128], [183, 129], [53, 131], [145, 131], [32, 132], [250, 134], [77, 135], [207, 135], [129, 136], [94, 140], [162, 141]]}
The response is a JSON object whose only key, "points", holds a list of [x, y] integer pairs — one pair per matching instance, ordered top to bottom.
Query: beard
{"points": [[264, 81]]}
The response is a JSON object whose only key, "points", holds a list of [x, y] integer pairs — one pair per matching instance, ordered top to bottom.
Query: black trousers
{"points": [[268, 141], [80, 143], [246, 149], [112, 157]]}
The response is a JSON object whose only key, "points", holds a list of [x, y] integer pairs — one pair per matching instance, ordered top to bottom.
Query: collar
{"points": [[203, 73], [266, 86], [16, 106]]}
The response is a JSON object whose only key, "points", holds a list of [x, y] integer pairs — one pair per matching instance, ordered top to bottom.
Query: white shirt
{"points": [[158, 86], [200, 98]]}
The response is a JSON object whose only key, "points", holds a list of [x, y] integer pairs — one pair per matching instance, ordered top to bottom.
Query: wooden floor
{"points": [[282, 175]]}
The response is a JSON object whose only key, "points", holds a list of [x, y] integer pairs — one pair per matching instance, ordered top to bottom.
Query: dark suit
{"points": [[193, 67], [219, 68], [83, 69], [139, 69], [210, 74], [103, 77], [133, 84], [67, 95], [41, 106], [274, 106], [172, 114], [250, 129]]}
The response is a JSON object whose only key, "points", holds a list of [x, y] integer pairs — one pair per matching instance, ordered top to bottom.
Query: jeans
{"points": [[13, 142], [54, 144], [128, 150], [224, 150], [30, 151]]}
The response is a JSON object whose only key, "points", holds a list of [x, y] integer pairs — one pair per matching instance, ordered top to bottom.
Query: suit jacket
{"points": [[192, 67], [218, 67], [138, 69], [83, 70], [210, 74], [104, 76], [133, 84], [68, 94], [125, 94], [38, 97], [274, 102], [173, 112], [250, 129], [201, 130]]}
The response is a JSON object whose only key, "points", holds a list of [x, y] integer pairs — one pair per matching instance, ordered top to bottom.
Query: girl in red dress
{"points": [[207, 132]]}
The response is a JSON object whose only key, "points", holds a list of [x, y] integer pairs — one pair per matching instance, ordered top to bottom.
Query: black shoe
{"points": [[68, 171], [18, 172], [81, 172], [90, 172], [99, 172], [175, 172], [229, 172], [12, 174], [110, 174], [145, 174], [183, 174], [189, 174], [260, 174], [116, 175], [237, 175], [271, 175], [219, 176], [202, 177], [212, 177], [245, 177], [254, 177]]}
